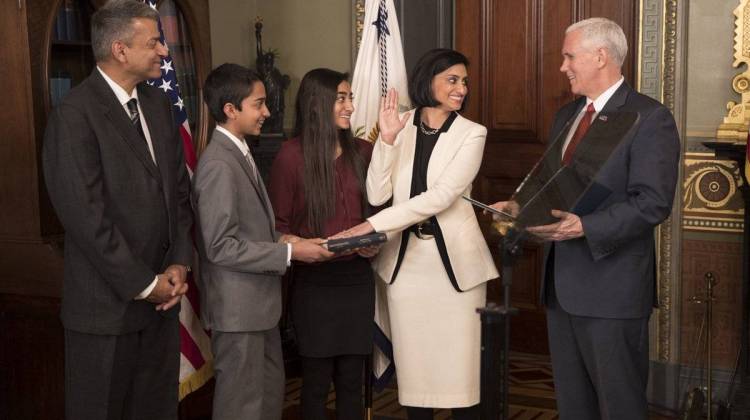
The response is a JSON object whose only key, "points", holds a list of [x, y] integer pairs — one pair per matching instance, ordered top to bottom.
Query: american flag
{"points": [[196, 365]]}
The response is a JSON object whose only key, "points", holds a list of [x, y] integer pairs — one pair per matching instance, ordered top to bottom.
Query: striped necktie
{"points": [[135, 117], [253, 168]]}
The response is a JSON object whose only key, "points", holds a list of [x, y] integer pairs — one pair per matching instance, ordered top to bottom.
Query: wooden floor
{"points": [[532, 395]]}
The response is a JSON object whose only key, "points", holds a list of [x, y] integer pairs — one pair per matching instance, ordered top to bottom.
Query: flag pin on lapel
{"points": [[603, 118]]}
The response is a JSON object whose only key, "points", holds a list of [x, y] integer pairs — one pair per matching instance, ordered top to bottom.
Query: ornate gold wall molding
{"points": [[358, 10], [650, 42], [656, 78], [735, 126], [710, 194], [665, 231]]}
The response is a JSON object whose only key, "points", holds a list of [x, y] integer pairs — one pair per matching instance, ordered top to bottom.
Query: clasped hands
{"points": [[568, 226], [170, 286]]}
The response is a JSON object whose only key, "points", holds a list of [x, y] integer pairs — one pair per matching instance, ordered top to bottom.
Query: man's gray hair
{"points": [[113, 22], [603, 33]]}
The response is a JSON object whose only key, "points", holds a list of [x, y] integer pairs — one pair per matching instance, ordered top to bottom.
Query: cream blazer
{"points": [[453, 165]]}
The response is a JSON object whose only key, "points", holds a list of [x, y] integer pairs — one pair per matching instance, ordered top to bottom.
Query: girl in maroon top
{"points": [[317, 190]]}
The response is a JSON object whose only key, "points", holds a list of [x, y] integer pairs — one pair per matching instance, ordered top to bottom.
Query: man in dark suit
{"points": [[115, 172], [599, 282]]}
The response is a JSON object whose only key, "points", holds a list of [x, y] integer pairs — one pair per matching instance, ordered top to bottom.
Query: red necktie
{"points": [[583, 127]]}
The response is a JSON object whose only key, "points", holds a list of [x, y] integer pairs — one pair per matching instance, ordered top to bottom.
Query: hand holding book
{"points": [[361, 239], [340, 245]]}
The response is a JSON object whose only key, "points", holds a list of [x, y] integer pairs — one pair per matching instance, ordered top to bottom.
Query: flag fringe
{"points": [[197, 379]]}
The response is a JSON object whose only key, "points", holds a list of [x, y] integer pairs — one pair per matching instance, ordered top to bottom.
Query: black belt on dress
{"points": [[424, 230]]}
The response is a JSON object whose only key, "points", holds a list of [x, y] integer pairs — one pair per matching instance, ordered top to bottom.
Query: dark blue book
{"points": [[72, 22], [61, 29], [59, 86], [347, 244]]}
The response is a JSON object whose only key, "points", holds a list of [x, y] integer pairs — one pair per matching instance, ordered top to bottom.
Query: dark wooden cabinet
{"points": [[516, 87], [31, 262]]}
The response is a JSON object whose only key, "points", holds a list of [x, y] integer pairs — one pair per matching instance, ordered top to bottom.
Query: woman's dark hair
{"points": [[433, 62], [228, 83], [319, 137]]}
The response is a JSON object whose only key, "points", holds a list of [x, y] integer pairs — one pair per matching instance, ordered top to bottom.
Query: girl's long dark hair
{"points": [[319, 137]]}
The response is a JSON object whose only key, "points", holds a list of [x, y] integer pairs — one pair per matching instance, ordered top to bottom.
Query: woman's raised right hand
{"points": [[388, 120]]}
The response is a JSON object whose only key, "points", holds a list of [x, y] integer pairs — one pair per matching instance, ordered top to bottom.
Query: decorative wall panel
{"points": [[711, 199], [722, 257]]}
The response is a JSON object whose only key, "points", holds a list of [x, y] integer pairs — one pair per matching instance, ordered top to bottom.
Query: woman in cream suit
{"points": [[436, 261]]}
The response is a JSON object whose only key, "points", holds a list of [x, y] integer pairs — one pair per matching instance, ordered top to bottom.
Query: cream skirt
{"points": [[435, 332]]}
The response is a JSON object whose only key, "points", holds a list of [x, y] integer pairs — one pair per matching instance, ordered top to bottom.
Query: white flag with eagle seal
{"points": [[380, 66]]}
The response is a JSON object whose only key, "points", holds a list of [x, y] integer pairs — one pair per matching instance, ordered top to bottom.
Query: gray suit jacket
{"points": [[126, 219], [241, 263], [610, 272]]}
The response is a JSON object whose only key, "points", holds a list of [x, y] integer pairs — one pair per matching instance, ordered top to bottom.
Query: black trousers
{"points": [[346, 372], [123, 377], [462, 413]]}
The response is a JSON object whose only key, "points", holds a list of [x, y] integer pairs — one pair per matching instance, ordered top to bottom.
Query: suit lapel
{"points": [[618, 99], [116, 115], [160, 126], [159, 131], [445, 148], [258, 186], [402, 188]]}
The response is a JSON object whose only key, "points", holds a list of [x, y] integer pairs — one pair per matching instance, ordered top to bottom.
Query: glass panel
{"points": [[180, 48], [71, 58], [551, 185]]}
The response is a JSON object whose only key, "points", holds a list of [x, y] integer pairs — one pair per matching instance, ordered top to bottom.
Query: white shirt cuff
{"points": [[288, 255], [147, 291]]}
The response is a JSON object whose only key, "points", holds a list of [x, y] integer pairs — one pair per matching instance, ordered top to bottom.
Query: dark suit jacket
{"points": [[126, 219], [610, 272]]}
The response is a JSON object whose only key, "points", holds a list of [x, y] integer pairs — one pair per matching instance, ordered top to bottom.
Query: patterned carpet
{"points": [[532, 395]]}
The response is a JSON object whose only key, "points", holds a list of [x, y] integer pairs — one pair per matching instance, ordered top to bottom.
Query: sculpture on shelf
{"points": [[276, 83], [735, 126]]}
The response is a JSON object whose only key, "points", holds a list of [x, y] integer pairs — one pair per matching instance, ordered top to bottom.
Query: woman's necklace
{"points": [[425, 131]]}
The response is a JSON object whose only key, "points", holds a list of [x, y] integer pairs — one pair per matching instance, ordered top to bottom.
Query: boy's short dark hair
{"points": [[433, 62], [228, 83]]}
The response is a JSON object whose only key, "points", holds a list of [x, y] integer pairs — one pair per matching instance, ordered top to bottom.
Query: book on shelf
{"points": [[69, 22], [61, 30], [59, 84]]}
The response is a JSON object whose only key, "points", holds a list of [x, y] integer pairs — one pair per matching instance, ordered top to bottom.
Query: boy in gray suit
{"points": [[242, 255]]}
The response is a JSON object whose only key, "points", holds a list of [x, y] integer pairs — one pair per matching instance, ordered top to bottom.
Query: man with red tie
{"points": [[599, 280]]}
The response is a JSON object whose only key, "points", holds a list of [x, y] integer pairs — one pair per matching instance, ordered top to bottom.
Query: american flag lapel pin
{"points": [[603, 118]]}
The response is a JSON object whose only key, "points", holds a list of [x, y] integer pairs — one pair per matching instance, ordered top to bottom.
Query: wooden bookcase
{"points": [[35, 58]]}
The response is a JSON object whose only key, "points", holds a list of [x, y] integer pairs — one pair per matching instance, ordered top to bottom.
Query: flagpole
{"points": [[379, 66]]}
